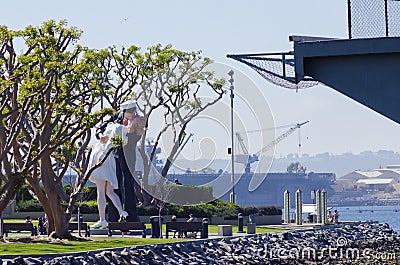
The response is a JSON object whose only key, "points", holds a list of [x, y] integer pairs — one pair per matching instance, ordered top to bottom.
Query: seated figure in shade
{"points": [[105, 176], [192, 218], [28, 220], [41, 226]]}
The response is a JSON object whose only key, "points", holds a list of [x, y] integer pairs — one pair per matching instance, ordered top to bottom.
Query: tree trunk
{"points": [[175, 148], [169, 161], [10, 188], [8, 191], [44, 202], [57, 218], [60, 219]]}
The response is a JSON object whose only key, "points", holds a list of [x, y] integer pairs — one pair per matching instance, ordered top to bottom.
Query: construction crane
{"points": [[281, 137], [245, 158], [248, 159]]}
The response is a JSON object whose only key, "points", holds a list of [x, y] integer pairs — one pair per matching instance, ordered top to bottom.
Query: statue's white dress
{"points": [[107, 171]]}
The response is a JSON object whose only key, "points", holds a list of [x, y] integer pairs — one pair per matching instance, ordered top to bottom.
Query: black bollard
{"points": [[240, 223], [155, 226], [204, 231]]}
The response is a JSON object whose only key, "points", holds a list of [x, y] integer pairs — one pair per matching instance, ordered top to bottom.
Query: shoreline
{"points": [[348, 243]]}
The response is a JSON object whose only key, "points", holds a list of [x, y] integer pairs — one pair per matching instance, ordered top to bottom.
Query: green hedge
{"points": [[88, 193], [179, 193], [25, 203], [29, 206], [87, 207], [214, 208]]}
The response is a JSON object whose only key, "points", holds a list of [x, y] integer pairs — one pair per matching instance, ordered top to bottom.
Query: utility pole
{"points": [[231, 88]]}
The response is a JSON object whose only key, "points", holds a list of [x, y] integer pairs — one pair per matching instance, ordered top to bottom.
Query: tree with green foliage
{"points": [[164, 81], [176, 82], [55, 87], [50, 96], [13, 108], [296, 167]]}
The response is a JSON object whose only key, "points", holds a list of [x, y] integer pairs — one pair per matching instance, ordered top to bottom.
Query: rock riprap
{"points": [[354, 243]]}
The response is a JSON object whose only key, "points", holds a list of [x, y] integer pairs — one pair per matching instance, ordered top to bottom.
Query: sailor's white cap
{"points": [[130, 104]]}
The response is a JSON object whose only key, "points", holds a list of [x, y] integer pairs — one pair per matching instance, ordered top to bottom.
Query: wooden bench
{"points": [[18, 227], [84, 227], [126, 227], [184, 227]]}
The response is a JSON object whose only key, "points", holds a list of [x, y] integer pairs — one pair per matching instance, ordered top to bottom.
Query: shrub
{"points": [[89, 193], [180, 193], [23, 194], [26, 203], [29, 206], [34, 206], [87, 207], [147, 210], [206, 210], [248, 210], [269, 210]]}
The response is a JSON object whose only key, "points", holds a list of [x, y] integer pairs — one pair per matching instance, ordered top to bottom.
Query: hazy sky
{"points": [[337, 124]]}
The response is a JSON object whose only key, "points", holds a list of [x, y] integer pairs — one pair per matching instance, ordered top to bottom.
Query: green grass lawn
{"points": [[38, 246], [64, 246]]}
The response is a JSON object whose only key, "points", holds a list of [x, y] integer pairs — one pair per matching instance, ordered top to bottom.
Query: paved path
{"points": [[103, 232]]}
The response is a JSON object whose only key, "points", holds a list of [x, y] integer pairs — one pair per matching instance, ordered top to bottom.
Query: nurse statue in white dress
{"points": [[105, 176]]}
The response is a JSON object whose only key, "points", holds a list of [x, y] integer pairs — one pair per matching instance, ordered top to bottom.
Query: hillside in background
{"points": [[325, 162], [340, 164]]}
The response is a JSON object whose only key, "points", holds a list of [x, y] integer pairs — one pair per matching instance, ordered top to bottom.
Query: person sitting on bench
{"points": [[191, 219], [28, 220]]}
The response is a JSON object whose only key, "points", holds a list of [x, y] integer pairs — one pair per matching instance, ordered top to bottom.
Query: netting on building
{"points": [[366, 18], [374, 18], [393, 18], [277, 68]]}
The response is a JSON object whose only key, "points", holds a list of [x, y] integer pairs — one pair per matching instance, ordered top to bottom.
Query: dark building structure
{"points": [[271, 190]]}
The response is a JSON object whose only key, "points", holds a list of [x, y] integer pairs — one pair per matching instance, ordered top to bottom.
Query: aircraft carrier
{"points": [[273, 185], [270, 191]]}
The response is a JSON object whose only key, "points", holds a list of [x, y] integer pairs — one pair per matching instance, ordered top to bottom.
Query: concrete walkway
{"points": [[116, 234]]}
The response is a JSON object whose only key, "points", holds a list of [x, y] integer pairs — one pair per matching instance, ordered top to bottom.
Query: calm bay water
{"points": [[383, 214]]}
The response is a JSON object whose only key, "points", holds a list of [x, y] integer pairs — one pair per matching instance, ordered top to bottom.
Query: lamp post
{"points": [[232, 199]]}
